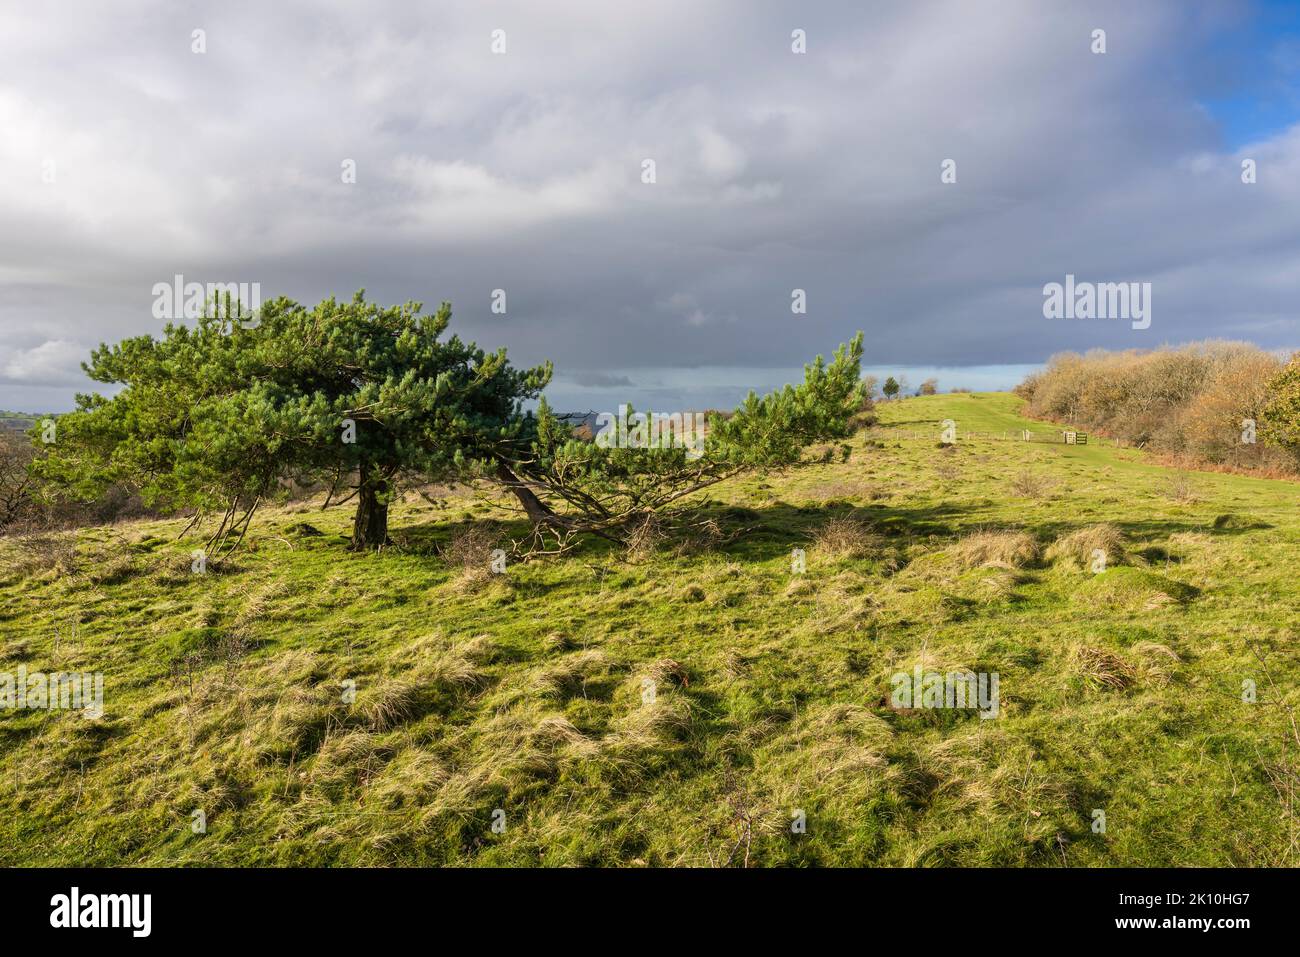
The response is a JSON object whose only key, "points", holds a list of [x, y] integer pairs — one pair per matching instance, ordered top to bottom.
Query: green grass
{"points": [[1120, 692]]}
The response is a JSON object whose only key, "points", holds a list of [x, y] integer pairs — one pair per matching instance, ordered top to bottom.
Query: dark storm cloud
{"points": [[522, 172]]}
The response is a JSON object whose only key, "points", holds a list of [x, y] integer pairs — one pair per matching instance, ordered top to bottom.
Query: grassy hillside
{"points": [[1120, 691]]}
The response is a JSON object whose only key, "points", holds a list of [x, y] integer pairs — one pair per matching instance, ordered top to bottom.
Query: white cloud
{"points": [[55, 361]]}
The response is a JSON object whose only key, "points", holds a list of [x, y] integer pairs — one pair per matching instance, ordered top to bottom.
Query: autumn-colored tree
{"points": [[1281, 413]]}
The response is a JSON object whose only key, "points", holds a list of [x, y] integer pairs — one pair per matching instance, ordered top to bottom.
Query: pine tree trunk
{"points": [[537, 510], [370, 528]]}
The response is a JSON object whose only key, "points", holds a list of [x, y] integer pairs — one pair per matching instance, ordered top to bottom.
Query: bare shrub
{"points": [[865, 415], [947, 469], [15, 480], [1028, 484], [1181, 489], [702, 536], [644, 537], [470, 551], [39, 554]]}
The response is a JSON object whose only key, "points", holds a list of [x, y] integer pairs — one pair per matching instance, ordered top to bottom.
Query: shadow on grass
{"points": [[1150, 529], [770, 531], [754, 534]]}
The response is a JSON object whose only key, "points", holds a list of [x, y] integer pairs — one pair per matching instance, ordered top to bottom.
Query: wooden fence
{"points": [[1050, 436]]}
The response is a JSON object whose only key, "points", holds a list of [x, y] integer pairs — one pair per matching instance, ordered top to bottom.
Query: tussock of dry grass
{"points": [[846, 537], [1183, 542], [1078, 547], [1008, 549], [989, 584], [800, 586], [260, 603], [557, 641], [19, 649], [479, 650], [1156, 663], [294, 666], [1103, 670], [665, 671], [453, 673], [567, 677], [389, 705], [667, 716], [297, 723], [558, 733], [839, 740], [344, 757], [983, 774], [413, 777]]}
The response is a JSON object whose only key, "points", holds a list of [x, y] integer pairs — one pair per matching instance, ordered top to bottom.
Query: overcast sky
{"points": [[775, 170]]}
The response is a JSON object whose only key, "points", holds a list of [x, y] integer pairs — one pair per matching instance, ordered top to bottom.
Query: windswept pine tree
{"points": [[366, 398], [211, 417], [569, 486]]}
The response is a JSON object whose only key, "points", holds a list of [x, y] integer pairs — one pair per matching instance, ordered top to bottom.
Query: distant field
{"points": [[17, 421], [520, 700]]}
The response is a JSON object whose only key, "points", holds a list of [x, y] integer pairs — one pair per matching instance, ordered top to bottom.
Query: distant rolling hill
{"points": [[18, 421]]}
